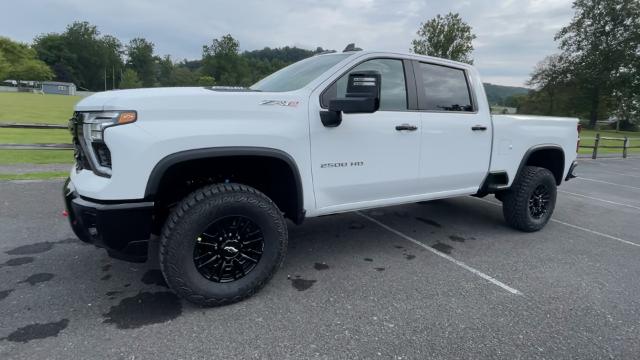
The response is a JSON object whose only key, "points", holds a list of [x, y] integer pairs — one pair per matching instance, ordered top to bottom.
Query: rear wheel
{"points": [[529, 203], [222, 243]]}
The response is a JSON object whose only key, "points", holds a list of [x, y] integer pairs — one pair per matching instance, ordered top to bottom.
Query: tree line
{"points": [[94, 62]]}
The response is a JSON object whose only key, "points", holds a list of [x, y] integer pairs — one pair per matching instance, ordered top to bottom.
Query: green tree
{"points": [[447, 37], [600, 44], [81, 55], [140, 58], [221, 60], [18, 62], [4, 67], [548, 77], [130, 80], [206, 80]]}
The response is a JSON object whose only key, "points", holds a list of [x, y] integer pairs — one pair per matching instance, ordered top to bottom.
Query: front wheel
{"points": [[529, 203], [222, 244]]}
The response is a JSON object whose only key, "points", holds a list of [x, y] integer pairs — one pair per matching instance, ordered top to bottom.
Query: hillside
{"points": [[497, 94]]}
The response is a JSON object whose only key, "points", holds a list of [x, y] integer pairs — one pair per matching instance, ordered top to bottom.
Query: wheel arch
{"points": [[549, 156], [163, 166]]}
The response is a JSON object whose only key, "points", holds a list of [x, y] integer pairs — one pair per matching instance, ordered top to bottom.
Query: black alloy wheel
{"points": [[539, 201], [228, 249]]}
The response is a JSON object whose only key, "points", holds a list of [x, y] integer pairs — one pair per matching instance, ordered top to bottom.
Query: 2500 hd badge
{"points": [[341, 164]]}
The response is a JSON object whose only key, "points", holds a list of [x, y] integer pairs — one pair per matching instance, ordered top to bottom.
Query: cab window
{"points": [[445, 88], [393, 92]]}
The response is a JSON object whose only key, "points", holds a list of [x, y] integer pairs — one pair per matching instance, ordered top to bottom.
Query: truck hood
{"points": [[190, 102]]}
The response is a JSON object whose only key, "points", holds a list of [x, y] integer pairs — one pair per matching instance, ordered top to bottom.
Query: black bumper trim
{"points": [[570, 174], [122, 228]]}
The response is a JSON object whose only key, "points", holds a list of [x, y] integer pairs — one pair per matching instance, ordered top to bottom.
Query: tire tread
{"points": [[227, 192]]}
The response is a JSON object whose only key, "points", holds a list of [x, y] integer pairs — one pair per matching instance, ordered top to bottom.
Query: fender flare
{"points": [[536, 148], [156, 175]]}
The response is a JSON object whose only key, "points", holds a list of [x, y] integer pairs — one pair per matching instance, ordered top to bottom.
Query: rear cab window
{"points": [[443, 88]]}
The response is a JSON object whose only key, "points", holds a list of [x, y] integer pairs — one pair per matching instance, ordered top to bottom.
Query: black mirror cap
{"points": [[355, 105]]}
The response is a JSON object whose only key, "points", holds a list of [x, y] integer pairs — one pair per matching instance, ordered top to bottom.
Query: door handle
{"points": [[406, 127], [478, 128]]}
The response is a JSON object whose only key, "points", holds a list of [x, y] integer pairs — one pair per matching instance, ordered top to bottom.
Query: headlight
{"points": [[98, 121], [88, 132]]}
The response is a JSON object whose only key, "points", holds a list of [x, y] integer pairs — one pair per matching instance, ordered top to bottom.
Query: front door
{"points": [[368, 158]]}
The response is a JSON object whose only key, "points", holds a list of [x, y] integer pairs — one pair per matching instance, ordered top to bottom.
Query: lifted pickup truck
{"points": [[215, 171]]}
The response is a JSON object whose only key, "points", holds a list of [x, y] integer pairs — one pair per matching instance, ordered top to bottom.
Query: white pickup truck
{"points": [[215, 171]]}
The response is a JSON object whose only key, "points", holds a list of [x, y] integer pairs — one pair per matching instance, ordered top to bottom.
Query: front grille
{"points": [[79, 153], [92, 156]]}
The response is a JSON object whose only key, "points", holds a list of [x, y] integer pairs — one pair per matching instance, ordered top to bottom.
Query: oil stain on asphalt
{"points": [[429, 222], [355, 225], [457, 238], [442, 247], [30, 249], [18, 261], [320, 266], [379, 269], [154, 277], [38, 278], [301, 284], [5, 293], [112, 294], [146, 308], [38, 331]]}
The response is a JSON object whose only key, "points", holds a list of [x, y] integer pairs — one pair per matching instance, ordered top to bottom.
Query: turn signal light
{"points": [[127, 117]]}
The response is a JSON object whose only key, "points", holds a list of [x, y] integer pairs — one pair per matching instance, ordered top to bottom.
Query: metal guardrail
{"points": [[596, 145], [34, 146]]}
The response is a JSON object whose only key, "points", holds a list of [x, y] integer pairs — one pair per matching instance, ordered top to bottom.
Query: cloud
{"points": [[513, 35]]}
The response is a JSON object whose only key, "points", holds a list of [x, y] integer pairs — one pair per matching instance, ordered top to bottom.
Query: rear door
{"points": [[456, 136], [368, 158]]}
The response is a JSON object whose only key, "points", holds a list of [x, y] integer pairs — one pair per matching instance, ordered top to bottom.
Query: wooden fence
{"points": [[626, 141], [35, 146], [624, 147]]}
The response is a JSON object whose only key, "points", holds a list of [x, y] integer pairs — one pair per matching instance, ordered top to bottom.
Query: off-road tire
{"points": [[515, 201], [192, 215]]}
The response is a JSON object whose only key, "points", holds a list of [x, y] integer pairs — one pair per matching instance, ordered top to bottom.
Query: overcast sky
{"points": [[513, 35]]}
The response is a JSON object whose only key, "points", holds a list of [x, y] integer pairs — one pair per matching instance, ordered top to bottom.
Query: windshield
{"points": [[297, 75]]}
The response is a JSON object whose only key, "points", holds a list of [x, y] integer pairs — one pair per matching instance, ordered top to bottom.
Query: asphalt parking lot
{"points": [[444, 279]]}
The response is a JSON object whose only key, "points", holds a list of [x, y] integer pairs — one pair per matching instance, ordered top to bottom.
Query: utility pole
{"points": [[105, 78], [113, 79]]}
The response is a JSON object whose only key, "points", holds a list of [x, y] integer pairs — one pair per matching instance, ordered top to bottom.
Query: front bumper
{"points": [[572, 169], [123, 227]]}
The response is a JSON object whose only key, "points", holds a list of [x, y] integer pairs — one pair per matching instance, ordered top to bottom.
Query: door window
{"points": [[445, 88], [393, 92]]}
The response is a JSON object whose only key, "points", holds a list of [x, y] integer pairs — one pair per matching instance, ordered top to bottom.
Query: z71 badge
{"points": [[280, 103]]}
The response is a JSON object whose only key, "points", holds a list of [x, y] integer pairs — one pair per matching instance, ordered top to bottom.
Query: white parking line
{"points": [[607, 182], [598, 199], [577, 227], [595, 232], [444, 256]]}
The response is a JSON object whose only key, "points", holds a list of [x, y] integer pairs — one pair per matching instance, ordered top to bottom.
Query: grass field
{"points": [[35, 108], [35, 176]]}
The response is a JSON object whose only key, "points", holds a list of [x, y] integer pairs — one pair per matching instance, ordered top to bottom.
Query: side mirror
{"points": [[362, 96]]}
